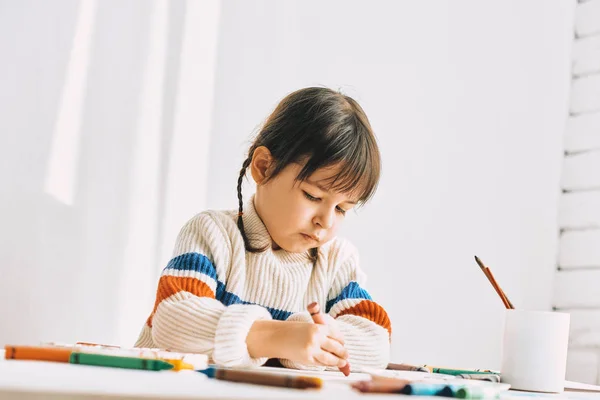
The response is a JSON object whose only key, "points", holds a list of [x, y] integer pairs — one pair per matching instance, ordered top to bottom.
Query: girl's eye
{"points": [[311, 198], [340, 210]]}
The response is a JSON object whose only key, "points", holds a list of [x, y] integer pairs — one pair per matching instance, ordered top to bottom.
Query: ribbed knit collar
{"points": [[259, 236]]}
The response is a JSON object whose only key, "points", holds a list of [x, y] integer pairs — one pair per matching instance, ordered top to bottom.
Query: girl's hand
{"points": [[303, 342], [312, 344]]}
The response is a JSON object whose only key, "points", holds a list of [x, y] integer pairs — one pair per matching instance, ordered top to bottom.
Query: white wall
{"points": [[469, 101], [105, 111], [104, 116], [578, 277]]}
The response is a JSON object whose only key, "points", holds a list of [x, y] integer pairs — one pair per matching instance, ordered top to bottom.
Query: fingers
{"points": [[315, 312], [319, 318], [330, 329], [335, 333], [334, 347], [332, 354], [328, 359]]}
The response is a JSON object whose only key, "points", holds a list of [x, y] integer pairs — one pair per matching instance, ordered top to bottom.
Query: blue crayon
{"points": [[427, 389], [478, 392]]}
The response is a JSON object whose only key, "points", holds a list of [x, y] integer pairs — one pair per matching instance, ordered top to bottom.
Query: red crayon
{"points": [[317, 317]]}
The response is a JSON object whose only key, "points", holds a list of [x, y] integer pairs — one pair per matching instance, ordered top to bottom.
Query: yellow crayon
{"points": [[178, 365]]}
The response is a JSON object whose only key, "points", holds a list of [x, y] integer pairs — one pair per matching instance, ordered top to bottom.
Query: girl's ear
{"points": [[261, 165]]}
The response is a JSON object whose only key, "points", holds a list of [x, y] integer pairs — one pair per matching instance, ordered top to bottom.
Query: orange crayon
{"points": [[38, 353]]}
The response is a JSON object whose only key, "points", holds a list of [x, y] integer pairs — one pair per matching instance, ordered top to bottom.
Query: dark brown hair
{"points": [[319, 127]]}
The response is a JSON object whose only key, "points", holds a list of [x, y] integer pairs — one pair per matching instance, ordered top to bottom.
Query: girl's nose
{"points": [[324, 219]]}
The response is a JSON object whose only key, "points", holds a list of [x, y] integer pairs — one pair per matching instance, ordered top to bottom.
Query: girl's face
{"points": [[298, 215]]}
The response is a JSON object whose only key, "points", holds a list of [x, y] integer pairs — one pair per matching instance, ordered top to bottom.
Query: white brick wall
{"points": [[587, 17], [586, 55], [585, 94], [582, 132], [582, 171], [579, 210], [580, 249], [577, 283], [577, 289], [585, 325], [582, 366]]}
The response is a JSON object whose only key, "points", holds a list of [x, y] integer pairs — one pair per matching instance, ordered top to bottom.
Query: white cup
{"points": [[534, 350]]}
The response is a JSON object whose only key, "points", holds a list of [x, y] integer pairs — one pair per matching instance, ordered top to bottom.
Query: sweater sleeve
{"points": [[187, 315], [365, 324]]}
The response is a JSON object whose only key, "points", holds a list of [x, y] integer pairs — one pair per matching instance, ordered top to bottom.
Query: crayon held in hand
{"points": [[315, 312]]}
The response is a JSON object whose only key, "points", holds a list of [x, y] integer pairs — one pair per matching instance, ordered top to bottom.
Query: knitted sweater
{"points": [[212, 291]]}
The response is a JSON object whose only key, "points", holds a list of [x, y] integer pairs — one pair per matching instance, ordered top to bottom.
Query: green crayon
{"points": [[101, 360], [449, 371], [477, 392]]}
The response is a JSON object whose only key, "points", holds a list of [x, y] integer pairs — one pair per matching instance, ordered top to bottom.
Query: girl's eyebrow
{"points": [[324, 189]]}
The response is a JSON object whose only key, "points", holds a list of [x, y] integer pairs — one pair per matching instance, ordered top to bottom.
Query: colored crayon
{"points": [[109, 346], [38, 353], [101, 360], [178, 365], [406, 367], [453, 371], [481, 377], [261, 378], [380, 385], [427, 389], [477, 392]]}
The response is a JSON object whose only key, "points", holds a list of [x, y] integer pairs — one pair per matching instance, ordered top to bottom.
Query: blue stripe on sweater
{"points": [[193, 262], [200, 263], [351, 291], [228, 298]]}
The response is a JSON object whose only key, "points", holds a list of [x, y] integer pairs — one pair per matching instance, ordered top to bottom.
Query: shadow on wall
{"points": [[77, 156]]}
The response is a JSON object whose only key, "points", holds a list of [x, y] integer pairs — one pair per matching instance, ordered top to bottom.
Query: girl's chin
{"points": [[293, 247]]}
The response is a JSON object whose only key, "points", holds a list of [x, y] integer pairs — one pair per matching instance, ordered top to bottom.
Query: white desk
{"points": [[47, 380], [53, 381]]}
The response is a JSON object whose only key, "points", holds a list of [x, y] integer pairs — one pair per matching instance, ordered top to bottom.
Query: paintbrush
{"points": [[490, 276]]}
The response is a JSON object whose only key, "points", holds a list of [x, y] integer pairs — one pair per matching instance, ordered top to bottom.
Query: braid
{"points": [[240, 220], [314, 255]]}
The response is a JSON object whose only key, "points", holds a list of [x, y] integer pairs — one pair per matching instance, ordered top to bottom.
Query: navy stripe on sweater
{"points": [[200, 263], [351, 291]]}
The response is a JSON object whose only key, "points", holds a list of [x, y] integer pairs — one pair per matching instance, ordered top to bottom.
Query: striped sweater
{"points": [[212, 291]]}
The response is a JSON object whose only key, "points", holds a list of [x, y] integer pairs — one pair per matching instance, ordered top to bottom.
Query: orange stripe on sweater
{"points": [[169, 285], [372, 311]]}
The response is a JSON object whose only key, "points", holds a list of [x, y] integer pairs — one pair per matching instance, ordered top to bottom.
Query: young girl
{"points": [[239, 283]]}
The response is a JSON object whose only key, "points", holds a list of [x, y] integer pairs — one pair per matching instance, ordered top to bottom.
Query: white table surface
{"points": [[49, 380]]}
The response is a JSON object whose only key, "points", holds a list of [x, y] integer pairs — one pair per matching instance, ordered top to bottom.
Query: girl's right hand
{"points": [[306, 343], [311, 344]]}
